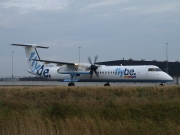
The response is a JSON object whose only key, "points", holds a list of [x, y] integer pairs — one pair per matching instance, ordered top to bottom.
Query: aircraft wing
{"points": [[57, 62]]}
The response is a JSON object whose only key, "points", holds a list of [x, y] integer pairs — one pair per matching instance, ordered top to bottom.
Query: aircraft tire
{"points": [[71, 84], [107, 84], [161, 84]]}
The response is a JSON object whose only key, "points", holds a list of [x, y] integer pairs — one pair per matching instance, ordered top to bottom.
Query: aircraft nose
{"points": [[165, 77], [169, 78]]}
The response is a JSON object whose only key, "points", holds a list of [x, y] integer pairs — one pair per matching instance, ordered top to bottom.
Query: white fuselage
{"points": [[108, 74]]}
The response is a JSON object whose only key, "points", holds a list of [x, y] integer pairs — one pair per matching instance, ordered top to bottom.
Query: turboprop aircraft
{"points": [[84, 72]]}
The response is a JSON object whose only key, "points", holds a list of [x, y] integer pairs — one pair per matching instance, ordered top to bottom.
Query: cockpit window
{"points": [[151, 69], [154, 69], [158, 69]]}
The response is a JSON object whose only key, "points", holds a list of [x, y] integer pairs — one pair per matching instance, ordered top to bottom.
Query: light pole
{"points": [[79, 54], [167, 56], [12, 64]]}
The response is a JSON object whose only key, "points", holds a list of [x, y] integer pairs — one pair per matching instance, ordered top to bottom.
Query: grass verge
{"points": [[89, 110]]}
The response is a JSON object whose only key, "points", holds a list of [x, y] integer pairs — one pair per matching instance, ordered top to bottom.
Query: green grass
{"points": [[89, 110]]}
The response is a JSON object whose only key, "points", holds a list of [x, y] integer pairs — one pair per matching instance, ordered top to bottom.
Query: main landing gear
{"points": [[73, 78], [71, 84], [107, 84]]}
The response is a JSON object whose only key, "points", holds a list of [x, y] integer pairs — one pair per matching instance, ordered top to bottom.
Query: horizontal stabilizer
{"points": [[30, 45]]}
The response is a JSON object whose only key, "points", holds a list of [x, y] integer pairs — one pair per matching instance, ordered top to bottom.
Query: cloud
{"points": [[106, 3], [35, 4], [161, 8], [15, 12], [5, 22]]}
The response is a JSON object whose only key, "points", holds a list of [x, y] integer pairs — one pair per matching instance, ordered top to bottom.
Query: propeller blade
{"points": [[89, 59], [95, 59], [93, 67], [96, 73], [91, 74]]}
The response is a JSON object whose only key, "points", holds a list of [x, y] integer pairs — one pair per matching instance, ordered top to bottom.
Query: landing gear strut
{"points": [[73, 78], [71, 84], [107, 84]]}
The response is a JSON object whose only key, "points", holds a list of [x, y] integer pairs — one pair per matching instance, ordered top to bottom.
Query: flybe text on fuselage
{"points": [[43, 72], [125, 73]]}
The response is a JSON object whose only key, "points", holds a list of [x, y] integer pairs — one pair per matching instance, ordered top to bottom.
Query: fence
{"points": [[22, 78]]}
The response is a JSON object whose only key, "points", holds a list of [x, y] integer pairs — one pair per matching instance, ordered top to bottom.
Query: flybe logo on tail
{"points": [[37, 67], [126, 73]]}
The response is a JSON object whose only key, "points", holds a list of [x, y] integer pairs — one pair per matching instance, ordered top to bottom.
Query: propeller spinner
{"points": [[93, 67]]}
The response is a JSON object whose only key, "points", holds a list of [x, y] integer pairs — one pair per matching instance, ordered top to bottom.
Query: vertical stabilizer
{"points": [[32, 55]]}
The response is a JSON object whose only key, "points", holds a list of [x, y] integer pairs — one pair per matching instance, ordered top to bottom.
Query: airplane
{"points": [[84, 72]]}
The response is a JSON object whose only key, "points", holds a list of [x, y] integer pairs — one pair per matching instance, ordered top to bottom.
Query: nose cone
{"points": [[168, 78]]}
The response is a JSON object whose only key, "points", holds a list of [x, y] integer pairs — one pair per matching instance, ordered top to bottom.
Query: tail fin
{"points": [[32, 55]]}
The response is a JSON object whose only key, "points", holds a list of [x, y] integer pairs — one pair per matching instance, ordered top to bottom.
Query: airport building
{"points": [[172, 68]]}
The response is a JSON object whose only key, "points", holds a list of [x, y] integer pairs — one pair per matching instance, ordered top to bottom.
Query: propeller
{"points": [[93, 67]]}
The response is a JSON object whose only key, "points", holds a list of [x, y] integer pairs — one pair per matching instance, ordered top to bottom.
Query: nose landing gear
{"points": [[107, 84], [162, 84]]}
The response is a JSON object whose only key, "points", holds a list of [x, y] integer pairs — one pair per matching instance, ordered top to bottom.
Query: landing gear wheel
{"points": [[71, 84], [107, 84], [162, 84]]}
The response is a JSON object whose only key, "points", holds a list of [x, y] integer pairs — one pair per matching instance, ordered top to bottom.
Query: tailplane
{"points": [[32, 55]]}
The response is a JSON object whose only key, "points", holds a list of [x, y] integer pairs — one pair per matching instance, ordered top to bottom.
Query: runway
{"points": [[56, 83]]}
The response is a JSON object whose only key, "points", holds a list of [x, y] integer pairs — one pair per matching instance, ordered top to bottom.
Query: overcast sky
{"points": [[112, 29]]}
